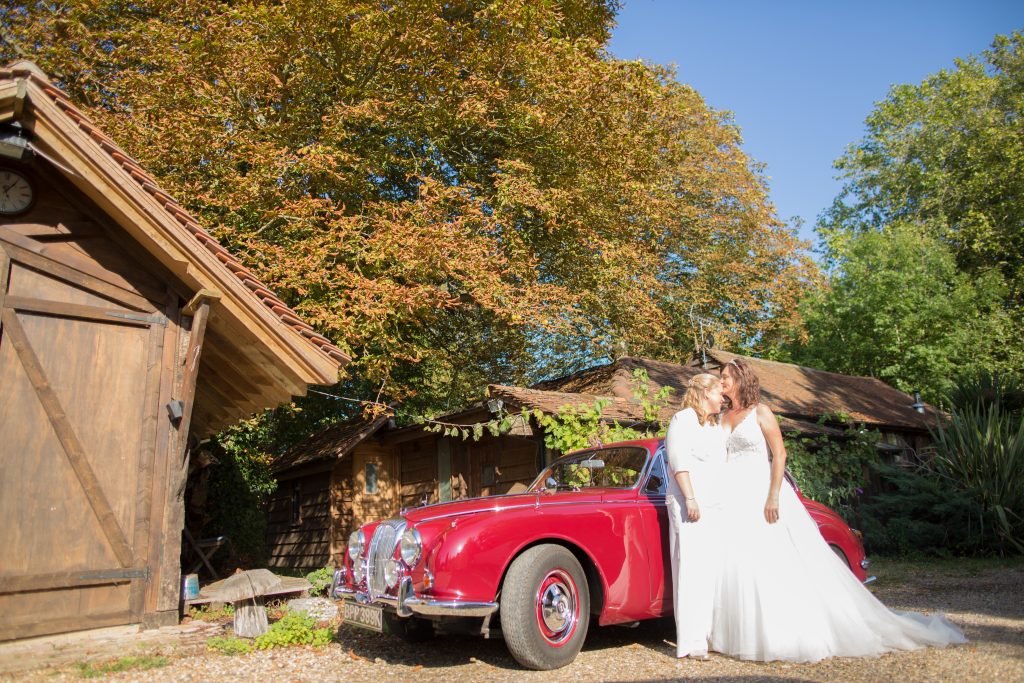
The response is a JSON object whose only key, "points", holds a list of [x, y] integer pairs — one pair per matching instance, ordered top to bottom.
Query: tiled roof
{"points": [[175, 210], [794, 391], [626, 412], [330, 444]]}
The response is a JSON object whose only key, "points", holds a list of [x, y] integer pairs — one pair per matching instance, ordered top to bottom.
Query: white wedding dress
{"points": [[695, 547], [782, 593]]}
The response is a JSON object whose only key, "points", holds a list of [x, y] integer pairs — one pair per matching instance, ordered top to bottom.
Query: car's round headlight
{"points": [[356, 543], [411, 547], [392, 570], [359, 571]]}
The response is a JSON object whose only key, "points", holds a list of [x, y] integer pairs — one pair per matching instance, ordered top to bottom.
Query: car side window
{"points": [[656, 482]]}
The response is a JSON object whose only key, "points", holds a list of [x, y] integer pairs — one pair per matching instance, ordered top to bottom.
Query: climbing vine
{"points": [[574, 427], [830, 470]]}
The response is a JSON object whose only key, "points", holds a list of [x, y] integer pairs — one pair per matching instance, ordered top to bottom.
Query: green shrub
{"points": [[984, 388], [980, 452], [829, 470], [918, 515], [320, 580], [207, 613], [294, 628], [229, 645]]}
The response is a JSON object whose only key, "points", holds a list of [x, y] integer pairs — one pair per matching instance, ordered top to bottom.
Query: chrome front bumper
{"points": [[407, 604]]}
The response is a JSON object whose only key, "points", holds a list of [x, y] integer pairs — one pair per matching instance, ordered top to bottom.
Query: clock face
{"points": [[15, 192]]}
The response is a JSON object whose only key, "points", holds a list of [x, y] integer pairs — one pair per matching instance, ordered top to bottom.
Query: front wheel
{"points": [[545, 607]]}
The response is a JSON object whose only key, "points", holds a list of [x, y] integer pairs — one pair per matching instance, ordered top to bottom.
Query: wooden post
{"points": [[168, 590]]}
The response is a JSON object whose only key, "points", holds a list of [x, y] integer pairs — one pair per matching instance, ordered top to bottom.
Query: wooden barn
{"points": [[127, 334], [358, 471]]}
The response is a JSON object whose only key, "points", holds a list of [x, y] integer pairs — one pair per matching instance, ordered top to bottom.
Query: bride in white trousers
{"points": [[696, 455], [782, 594]]}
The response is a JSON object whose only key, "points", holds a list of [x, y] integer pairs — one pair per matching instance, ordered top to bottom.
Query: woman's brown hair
{"points": [[746, 378], [696, 390]]}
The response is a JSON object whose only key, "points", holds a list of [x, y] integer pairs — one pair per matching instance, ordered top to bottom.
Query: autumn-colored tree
{"points": [[457, 192]]}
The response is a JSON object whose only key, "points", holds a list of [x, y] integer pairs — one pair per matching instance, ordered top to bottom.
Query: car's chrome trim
{"points": [[463, 513], [406, 604]]}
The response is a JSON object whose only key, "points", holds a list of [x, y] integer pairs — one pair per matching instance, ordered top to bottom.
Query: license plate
{"points": [[364, 616]]}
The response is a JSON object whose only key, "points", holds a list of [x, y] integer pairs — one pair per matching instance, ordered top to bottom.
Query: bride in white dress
{"points": [[696, 455], [782, 593]]}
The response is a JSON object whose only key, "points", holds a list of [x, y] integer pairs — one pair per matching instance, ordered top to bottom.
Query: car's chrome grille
{"points": [[382, 548]]}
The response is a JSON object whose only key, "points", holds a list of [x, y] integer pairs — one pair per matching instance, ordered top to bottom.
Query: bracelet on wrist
{"points": [[691, 499]]}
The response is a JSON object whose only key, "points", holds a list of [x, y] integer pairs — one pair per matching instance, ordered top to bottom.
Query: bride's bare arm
{"points": [[773, 435], [692, 509]]}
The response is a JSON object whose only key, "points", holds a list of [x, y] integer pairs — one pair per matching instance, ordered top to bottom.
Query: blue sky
{"points": [[800, 77]]}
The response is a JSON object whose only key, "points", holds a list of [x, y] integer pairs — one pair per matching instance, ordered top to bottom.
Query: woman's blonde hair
{"points": [[696, 391]]}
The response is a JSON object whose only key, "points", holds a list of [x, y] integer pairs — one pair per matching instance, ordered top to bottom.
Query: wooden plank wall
{"points": [[417, 464], [342, 515], [304, 544]]}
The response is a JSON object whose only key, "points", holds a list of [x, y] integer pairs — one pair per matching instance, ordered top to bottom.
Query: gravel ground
{"points": [[984, 598]]}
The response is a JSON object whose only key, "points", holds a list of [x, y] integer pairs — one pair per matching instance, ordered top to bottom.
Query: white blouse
{"points": [[697, 449]]}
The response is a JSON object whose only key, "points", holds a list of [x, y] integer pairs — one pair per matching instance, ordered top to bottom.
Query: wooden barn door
{"points": [[79, 387]]}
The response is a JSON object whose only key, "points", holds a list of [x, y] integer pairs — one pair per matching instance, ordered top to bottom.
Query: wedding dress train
{"points": [[782, 593]]}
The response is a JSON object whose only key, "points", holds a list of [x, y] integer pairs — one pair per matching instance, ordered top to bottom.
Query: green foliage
{"points": [[946, 155], [898, 308], [981, 387], [651, 405], [500, 424], [574, 427], [980, 452], [830, 470], [918, 513], [320, 580], [206, 613], [294, 628], [229, 645], [130, 663]]}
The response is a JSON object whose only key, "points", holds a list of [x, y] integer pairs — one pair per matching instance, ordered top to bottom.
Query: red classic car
{"points": [[589, 538]]}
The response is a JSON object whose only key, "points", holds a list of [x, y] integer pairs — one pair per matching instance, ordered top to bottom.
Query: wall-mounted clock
{"points": [[15, 192]]}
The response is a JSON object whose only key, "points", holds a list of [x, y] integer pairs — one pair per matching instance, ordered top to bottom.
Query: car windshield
{"points": [[616, 468]]}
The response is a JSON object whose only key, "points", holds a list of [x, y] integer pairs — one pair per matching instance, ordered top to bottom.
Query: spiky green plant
{"points": [[985, 388], [980, 451]]}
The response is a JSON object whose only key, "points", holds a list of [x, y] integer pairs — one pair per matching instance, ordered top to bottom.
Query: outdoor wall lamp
{"points": [[13, 143], [918, 404], [495, 405]]}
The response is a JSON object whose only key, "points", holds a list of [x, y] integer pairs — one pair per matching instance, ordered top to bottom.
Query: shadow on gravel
{"points": [[1003, 635], [454, 650], [441, 651], [728, 679]]}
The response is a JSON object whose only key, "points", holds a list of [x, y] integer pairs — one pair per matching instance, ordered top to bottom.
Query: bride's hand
{"points": [[771, 509], [692, 510]]}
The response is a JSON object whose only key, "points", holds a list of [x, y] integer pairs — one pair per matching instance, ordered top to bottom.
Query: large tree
{"points": [[948, 153], [457, 192], [923, 244], [898, 308]]}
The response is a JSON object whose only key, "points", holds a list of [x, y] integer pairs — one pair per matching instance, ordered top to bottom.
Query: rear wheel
{"points": [[545, 607]]}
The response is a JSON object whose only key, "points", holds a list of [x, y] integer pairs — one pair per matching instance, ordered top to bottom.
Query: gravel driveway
{"points": [[985, 598]]}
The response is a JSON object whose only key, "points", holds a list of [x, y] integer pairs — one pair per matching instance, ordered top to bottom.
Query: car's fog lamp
{"points": [[356, 543], [411, 547], [392, 570]]}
